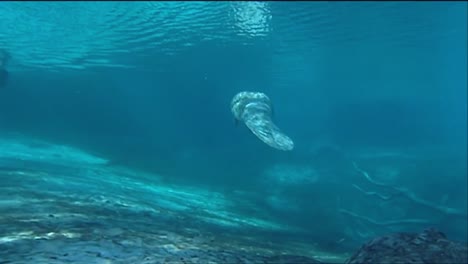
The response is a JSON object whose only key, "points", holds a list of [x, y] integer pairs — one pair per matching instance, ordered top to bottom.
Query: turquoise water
{"points": [[116, 132]]}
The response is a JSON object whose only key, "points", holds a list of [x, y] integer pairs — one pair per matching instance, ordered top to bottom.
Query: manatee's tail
{"points": [[254, 109], [269, 133]]}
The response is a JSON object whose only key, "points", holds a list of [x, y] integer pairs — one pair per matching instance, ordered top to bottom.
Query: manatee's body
{"points": [[254, 109]]}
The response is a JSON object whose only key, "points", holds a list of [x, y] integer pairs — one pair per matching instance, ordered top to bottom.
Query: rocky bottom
{"points": [[54, 209], [95, 219], [39, 227], [428, 247]]}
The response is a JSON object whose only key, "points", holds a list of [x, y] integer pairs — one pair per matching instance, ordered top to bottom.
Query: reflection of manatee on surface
{"points": [[254, 109]]}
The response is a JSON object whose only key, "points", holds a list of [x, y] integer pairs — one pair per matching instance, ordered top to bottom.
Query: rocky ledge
{"points": [[430, 246]]}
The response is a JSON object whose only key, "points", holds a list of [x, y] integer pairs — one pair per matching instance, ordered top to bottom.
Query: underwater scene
{"points": [[233, 132]]}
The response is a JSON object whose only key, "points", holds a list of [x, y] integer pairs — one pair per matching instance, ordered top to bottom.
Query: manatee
{"points": [[254, 109]]}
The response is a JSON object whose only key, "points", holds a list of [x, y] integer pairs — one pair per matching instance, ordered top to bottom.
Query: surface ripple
{"points": [[79, 35]]}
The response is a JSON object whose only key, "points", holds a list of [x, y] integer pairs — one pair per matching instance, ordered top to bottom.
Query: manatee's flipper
{"points": [[254, 109]]}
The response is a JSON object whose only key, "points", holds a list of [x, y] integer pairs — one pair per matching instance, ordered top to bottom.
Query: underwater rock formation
{"points": [[255, 110], [430, 246]]}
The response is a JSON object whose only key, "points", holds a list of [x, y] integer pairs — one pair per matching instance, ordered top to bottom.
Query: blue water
{"points": [[363, 88]]}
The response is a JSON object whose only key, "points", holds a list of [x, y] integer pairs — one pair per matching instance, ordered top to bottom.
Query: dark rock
{"points": [[430, 246]]}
